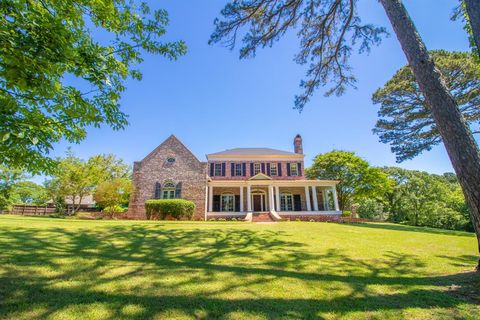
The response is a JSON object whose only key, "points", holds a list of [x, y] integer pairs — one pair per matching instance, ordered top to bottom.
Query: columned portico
{"points": [[282, 197]]}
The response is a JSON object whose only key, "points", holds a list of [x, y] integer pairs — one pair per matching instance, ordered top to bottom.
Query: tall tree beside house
{"points": [[472, 8], [329, 31], [63, 68], [404, 118], [8, 178], [75, 178], [357, 178], [29, 192], [112, 195], [423, 199]]}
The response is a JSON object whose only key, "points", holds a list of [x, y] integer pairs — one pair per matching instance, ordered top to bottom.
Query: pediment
{"points": [[260, 176]]}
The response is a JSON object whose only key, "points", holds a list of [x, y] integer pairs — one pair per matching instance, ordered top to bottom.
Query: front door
{"points": [[257, 202]]}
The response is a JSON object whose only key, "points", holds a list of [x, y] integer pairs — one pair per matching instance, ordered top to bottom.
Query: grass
{"points": [[67, 269]]}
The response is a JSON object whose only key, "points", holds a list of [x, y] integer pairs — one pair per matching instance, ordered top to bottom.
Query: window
{"points": [[170, 160], [257, 168], [238, 169], [273, 169], [293, 169], [218, 170], [168, 191], [227, 202], [286, 202]]}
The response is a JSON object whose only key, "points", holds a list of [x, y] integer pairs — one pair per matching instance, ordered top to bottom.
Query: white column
{"points": [[277, 197], [249, 198], [270, 198], [315, 198], [335, 198], [210, 199], [241, 199], [307, 199], [325, 199]]}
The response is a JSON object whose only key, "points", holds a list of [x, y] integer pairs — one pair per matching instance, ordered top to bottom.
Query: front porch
{"points": [[240, 199]]}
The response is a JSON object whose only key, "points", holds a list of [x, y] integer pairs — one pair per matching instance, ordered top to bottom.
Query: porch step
{"points": [[262, 217]]}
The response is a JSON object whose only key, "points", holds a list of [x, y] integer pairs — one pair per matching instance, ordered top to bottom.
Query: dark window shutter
{"points": [[299, 165], [263, 168], [212, 169], [223, 169], [232, 169], [251, 169], [268, 169], [279, 169], [288, 169], [244, 171], [158, 190], [178, 190], [297, 202], [216, 203], [237, 203]]}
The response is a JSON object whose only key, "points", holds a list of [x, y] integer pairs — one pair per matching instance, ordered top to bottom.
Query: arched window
{"points": [[168, 190], [286, 201], [227, 202]]}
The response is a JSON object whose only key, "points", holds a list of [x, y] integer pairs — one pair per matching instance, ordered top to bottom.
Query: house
{"points": [[244, 183]]}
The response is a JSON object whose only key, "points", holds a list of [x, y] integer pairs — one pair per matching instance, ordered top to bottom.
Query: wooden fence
{"points": [[33, 210]]}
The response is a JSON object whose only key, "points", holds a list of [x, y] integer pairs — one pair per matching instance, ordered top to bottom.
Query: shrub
{"points": [[161, 209], [346, 213]]}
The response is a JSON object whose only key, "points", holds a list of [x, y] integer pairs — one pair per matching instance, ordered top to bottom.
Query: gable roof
{"points": [[174, 139], [251, 152], [260, 176]]}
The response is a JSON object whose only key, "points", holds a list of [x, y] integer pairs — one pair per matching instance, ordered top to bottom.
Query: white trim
{"points": [[247, 157], [269, 181], [262, 195], [277, 195], [210, 198], [249, 198], [307, 198], [315, 198], [335, 198], [241, 199], [206, 202], [309, 213]]}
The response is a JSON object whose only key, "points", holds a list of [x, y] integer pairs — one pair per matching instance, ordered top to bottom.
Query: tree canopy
{"points": [[329, 32], [63, 66], [405, 121], [75, 178], [357, 178]]}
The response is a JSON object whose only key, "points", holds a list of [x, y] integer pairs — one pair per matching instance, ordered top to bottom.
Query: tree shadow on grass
{"points": [[407, 228], [241, 259]]}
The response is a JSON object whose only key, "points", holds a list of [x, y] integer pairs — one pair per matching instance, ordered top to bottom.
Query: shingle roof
{"points": [[252, 151]]}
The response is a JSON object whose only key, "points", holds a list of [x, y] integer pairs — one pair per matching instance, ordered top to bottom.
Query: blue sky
{"points": [[213, 101]]}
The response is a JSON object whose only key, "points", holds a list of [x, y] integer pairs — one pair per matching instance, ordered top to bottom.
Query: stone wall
{"points": [[154, 168]]}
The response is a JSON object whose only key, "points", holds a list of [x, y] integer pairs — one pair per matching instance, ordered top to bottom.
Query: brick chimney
{"points": [[297, 144]]}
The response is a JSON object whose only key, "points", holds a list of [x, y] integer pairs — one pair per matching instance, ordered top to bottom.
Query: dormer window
{"points": [[170, 160], [257, 168], [294, 169]]}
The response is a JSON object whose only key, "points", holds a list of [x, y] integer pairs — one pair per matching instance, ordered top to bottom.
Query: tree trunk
{"points": [[473, 12], [456, 135]]}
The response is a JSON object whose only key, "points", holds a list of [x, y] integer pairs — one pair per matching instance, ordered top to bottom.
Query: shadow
{"points": [[407, 228], [148, 270]]}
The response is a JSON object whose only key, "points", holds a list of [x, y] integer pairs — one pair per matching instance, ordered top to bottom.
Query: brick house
{"points": [[245, 183]]}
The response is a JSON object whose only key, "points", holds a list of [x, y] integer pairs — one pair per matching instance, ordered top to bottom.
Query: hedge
{"points": [[162, 209]]}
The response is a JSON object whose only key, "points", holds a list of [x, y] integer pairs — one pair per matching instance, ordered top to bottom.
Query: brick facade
{"points": [[155, 168], [281, 168]]}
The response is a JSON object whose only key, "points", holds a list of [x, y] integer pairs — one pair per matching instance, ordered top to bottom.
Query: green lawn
{"points": [[66, 269]]}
